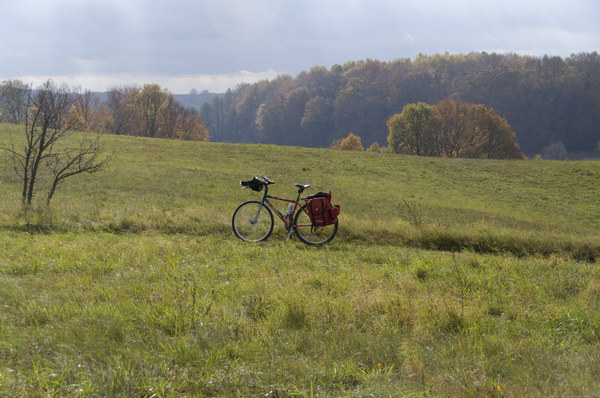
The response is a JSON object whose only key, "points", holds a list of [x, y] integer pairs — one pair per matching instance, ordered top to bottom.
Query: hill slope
{"points": [[191, 187], [134, 285]]}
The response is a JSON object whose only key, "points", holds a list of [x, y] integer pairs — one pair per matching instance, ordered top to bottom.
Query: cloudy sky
{"points": [[215, 44]]}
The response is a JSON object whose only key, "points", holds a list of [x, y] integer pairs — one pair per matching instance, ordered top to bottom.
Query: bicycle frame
{"points": [[287, 222]]}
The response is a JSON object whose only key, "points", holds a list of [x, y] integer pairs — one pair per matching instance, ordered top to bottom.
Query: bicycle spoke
{"points": [[252, 222], [310, 234]]}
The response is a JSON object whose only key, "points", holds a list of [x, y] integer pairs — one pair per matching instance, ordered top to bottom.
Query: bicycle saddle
{"points": [[302, 187]]}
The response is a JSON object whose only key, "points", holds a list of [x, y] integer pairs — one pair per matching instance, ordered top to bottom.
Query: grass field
{"points": [[447, 278]]}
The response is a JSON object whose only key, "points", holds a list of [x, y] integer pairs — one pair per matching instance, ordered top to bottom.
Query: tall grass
{"points": [[447, 278], [89, 314]]}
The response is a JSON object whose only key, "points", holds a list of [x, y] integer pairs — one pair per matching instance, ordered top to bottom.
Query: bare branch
{"points": [[50, 117], [84, 159]]}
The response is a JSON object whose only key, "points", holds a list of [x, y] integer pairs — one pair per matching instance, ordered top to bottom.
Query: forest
{"points": [[546, 100], [549, 102]]}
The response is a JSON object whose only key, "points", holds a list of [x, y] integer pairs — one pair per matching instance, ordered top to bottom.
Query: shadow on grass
{"points": [[124, 226], [428, 238], [519, 247]]}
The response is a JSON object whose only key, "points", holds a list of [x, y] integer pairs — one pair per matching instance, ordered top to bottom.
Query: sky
{"points": [[217, 44]]}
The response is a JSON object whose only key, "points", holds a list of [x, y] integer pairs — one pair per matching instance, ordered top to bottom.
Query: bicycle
{"points": [[253, 220]]}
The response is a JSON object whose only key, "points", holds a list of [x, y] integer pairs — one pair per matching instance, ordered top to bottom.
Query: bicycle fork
{"points": [[254, 220]]}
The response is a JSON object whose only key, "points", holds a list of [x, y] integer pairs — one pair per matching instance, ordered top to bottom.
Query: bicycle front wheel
{"points": [[252, 221], [309, 234]]}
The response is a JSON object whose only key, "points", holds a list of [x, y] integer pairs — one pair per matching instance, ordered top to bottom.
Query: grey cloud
{"points": [[211, 37]]}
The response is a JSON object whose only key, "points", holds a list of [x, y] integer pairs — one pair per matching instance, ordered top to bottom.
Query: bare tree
{"points": [[86, 104], [121, 108], [169, 118], [49, 121], [555, 151], [83, 159]]}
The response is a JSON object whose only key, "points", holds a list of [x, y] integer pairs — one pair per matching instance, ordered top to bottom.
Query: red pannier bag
{"points": [[320, 209]]}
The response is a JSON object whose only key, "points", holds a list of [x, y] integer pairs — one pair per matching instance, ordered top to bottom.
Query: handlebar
{"points": [[267, 181]]}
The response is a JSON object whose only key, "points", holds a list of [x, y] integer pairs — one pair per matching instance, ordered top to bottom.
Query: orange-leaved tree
{"points": [[351, 142]]}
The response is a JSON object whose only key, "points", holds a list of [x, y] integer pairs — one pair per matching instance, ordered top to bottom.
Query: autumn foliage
{"points": [[545, 99], [149, 111], [152, 112], [452, 129], [351, 142]]}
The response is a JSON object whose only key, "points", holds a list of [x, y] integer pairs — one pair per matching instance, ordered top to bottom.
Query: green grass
{"points": [[447, 278]]}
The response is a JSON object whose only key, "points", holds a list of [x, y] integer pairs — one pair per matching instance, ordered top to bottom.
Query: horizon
{"points": [[78, 81]]}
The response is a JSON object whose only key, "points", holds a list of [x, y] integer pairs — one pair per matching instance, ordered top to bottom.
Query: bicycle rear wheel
{"points": [[252, 221], [309, 234]]}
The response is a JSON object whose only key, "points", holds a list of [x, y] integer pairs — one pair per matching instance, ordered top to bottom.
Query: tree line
{"points": [[545, 99], [550, 102], [150, 111]]}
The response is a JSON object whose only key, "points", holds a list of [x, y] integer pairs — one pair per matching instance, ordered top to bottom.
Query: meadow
{"points": [[448, 277]]}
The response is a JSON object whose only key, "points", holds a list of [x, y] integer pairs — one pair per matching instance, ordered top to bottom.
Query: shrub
{"points": [[351, 142]]}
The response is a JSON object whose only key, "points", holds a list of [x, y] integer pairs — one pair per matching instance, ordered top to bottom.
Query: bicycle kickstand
{"points": [[289, 234]]}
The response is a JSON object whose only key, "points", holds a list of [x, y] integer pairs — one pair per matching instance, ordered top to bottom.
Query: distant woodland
{"points": [[546, 100], [550, 103], [150, 111]]}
